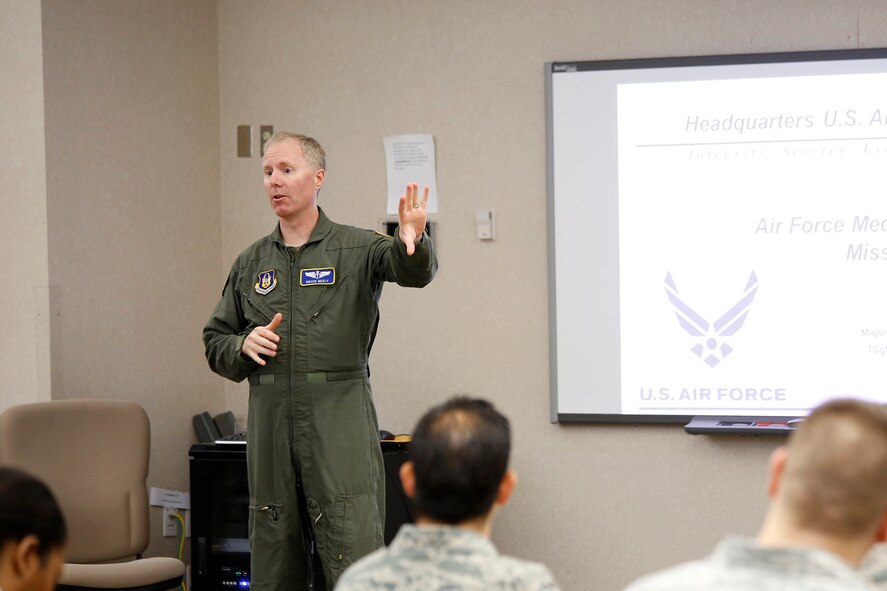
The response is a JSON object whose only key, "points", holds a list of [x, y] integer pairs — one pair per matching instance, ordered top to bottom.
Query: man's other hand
{"points": [[262, 341]]}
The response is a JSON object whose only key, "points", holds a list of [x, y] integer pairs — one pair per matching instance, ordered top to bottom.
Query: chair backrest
{"points": [[93, 454]]}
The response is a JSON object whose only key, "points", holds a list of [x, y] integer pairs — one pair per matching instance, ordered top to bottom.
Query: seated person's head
{"points": [[459, 462], [833, 474], [32, 534]]}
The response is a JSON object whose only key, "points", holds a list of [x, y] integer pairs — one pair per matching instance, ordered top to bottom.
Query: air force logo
{"points": [[325, 276], [267, 281], [712, 346]]}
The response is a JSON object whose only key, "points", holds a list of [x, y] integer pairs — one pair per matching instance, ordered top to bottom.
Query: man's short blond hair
{"points": [[311, 148], [835, 477]]}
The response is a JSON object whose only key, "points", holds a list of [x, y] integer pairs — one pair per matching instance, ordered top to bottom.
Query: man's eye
{"points": [[287, 170], [267, 173]]}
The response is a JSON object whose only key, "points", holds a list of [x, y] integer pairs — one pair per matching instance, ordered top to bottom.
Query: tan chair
{"points": [[93, 454]]}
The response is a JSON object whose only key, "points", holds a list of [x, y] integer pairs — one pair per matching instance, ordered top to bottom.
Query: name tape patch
{"points": [[324, 276]]}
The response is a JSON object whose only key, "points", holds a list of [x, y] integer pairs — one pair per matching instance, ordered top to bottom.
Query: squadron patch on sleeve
{"points": [[324, 276], [267, 281]]}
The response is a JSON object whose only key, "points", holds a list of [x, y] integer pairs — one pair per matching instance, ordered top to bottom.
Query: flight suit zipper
{"points": [[294, 260], [293, 357], [272, 510]]}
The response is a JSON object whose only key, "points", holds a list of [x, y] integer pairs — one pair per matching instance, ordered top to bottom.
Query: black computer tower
{"points": [[219, 518]]}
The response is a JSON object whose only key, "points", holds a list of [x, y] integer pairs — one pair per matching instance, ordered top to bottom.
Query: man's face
{"points": [[291, 183]]}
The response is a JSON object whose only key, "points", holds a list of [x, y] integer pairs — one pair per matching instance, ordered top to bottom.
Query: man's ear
{"points": [[319, 176], [778, 459], [408, 479], [506, 487], [25, 562]]}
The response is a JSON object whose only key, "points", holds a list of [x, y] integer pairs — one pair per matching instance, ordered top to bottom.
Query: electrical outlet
{"points": [[170, 523]]}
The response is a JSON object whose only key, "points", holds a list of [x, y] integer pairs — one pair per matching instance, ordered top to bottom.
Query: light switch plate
{"points": [[244, 141], [485, 224]]}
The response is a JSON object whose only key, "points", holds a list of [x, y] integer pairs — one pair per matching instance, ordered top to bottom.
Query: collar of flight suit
{"points": [[321, 229]]}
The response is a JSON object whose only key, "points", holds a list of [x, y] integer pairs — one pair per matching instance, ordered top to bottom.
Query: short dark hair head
{"points": [[460, 454], [27, 507]]}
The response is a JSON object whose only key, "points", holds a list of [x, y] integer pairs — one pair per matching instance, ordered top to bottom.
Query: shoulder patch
{"points": [[267, 281]]}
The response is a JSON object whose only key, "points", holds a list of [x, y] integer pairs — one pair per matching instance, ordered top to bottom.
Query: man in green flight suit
{"points": [[297, 317]]}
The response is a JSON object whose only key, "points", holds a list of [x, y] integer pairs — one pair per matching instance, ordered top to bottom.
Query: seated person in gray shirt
{"points": [[457, 475], [828, 508], [874, 566]]}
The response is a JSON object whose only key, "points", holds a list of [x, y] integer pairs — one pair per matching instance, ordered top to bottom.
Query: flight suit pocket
{"points": [[328, 295], [257, 313], [336, 328], [269, 526], [349, 530]]}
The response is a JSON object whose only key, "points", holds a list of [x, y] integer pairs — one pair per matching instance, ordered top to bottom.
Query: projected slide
{"points": [[718, 234], [752, 243]]}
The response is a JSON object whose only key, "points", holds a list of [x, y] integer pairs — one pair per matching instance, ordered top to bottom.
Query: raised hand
{"points": [[412, 215]]}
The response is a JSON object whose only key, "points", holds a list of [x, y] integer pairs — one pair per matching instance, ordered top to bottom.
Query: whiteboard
{"points": [[717, 234]]}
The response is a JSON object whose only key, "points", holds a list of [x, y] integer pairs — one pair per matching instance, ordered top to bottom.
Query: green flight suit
{"points": [[311, 412]]}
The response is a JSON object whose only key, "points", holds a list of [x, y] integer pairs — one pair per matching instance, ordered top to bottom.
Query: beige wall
{"points": [[141, 103], [134, 213], [24, 273], [599, 504]]}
